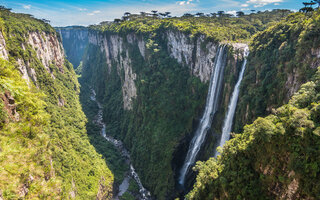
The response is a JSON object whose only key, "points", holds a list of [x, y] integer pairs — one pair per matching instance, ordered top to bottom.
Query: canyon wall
{"points": [[75, 40], [139, 78], [43, 134]]}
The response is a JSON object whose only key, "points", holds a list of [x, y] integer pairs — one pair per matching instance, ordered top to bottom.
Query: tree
{"points": [[307, 7], [4, 8], [253, 11], [143, 13], [154, 13], [167, 13], [220, 13], [199, 14], [213, 14], [240, 14], [162, 15], [187, 15], [117, 20], [45, 21]]}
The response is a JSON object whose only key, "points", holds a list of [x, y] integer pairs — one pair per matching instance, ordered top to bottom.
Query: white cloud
{"points": [[188, 2], [261, 3], [276, 4], [244, 5], [28, 7], [82, 9], [94, 12], [232, 12]]}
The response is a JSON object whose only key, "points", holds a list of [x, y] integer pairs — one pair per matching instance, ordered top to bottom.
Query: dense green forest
{"points": [[223, 28], [283, 55], [153, 90], [169, 99], [157, 110], [45, 152], [276, 156]]}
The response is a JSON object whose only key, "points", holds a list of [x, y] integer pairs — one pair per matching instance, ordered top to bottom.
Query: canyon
{"points": [[146, 111]]}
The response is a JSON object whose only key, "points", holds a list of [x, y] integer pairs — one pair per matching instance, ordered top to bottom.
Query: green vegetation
{"points": [[216, 28], [282, 58], [169, 99], [155, 125], [45, 152], [276, 156], [115, 161]]}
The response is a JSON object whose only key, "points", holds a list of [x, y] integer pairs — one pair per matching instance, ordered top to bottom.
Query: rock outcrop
{"points": [[48, 48], [113, 48], [3, 51], [197, 54], [10, 106]]}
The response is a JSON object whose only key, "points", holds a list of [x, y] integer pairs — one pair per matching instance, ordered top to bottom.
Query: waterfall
{"points": [[210, 110], [227, 124], [145, 194]]}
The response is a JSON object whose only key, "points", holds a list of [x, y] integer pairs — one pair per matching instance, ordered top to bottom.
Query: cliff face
{"points": [[75, 40], [48, 49], [3, 52], [117, 53], [196, 54], [133, 73], [44, 148]]}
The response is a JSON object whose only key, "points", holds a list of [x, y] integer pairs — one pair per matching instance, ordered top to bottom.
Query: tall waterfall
{"points": [[210, 110], [227, 124]]}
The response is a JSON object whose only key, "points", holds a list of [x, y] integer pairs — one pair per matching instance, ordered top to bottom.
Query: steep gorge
{"points": [[119, 67], [131, 73], [152, 78]]}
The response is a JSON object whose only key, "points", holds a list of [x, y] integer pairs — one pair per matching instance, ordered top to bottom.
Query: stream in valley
{"points": [[144, 194]]}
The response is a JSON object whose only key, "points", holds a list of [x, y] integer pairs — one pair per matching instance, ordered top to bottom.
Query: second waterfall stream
{"points": [[210, 110], [228, 121]]}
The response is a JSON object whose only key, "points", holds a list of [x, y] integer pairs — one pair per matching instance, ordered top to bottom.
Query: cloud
{"points": [[188, 2], [261, 3], [244, 5], [28, 7], [82, 9], [94, 12], [232, 12]]}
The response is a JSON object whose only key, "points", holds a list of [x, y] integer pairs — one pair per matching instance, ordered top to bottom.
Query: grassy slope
{"points": [[47, 151]]}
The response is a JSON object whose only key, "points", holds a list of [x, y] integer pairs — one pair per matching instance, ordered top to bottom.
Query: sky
{"points": [[86, 12]]}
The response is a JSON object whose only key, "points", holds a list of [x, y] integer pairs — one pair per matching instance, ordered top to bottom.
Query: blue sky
{"points": [[86, 12]]}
